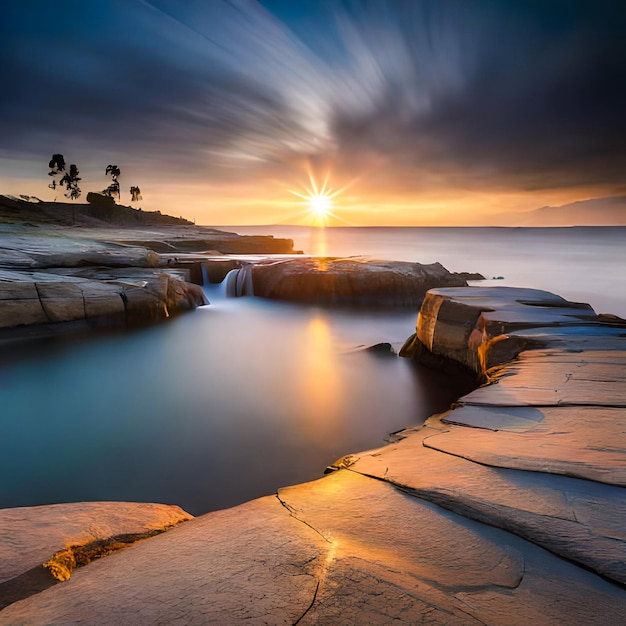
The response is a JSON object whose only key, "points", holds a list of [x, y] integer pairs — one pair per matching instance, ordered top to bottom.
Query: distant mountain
{"points": [[596, 212]]}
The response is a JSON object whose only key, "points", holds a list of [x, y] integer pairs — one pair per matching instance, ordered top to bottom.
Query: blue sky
{"points": [[423, 110]]}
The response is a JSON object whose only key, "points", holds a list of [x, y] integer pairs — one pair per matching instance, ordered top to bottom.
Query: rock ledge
{"points": [[507, 509]]}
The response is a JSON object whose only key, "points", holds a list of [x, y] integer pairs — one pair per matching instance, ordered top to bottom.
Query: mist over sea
{"points": [[581, 263], [235, 400]]}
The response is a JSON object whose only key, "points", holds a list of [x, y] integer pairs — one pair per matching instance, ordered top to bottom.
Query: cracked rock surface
{"points": [[507, 509], [345, 549]]}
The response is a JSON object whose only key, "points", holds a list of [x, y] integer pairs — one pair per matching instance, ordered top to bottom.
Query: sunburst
{"points": [[319, 200]]}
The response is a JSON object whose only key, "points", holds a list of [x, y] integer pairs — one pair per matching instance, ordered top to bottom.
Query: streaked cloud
{"points": [[404, 99]]}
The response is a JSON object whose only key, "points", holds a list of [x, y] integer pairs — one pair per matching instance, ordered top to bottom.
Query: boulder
{"points": [[349, 281]]}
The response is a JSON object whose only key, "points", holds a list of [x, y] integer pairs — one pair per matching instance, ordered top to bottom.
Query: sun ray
{"points": [[319, 199]]}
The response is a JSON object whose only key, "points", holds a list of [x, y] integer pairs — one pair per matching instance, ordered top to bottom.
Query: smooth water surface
{"points": [[583, 263], [237, 399], [218, 406]]}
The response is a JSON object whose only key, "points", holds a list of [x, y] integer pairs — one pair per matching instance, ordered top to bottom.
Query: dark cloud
{"points": [[524, 95], [541, 106]]}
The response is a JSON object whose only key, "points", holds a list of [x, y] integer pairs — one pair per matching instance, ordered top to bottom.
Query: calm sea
{"points": [[583, 263], [237, 399]]}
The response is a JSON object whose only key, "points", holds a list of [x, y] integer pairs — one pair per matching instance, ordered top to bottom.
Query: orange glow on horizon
{"points": [[267, 202]]}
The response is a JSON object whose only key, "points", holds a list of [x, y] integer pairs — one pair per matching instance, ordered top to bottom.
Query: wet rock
{"points": [[216, 270], [381, 350]]}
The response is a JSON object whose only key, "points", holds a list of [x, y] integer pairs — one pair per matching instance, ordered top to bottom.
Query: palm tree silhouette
{"points": [[70, 180], [114, 188]]}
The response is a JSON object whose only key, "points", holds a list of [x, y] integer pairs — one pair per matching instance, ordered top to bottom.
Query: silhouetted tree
{"points": [[56, 165], [70, 180], [114, 188], [135, 194]]}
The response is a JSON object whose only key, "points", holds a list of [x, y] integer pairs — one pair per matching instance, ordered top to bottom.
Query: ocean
{"points": [[582, 263], [237, 399]]}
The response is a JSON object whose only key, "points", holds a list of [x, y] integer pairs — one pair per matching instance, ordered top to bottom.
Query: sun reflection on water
{"points": [[320, 381]]}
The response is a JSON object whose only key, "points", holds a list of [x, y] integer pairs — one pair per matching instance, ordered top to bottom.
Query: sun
{"points": [[319, 201], [320, 204]]}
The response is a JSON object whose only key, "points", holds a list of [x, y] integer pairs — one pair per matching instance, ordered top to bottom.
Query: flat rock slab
{"points": [[194, 239], [46, 244], [57, 247], [502, 309], [574, 357], [554, 384], [508, 418], [585, 442], [578, 519], [31, 535], [345, 549], [253, 564]]}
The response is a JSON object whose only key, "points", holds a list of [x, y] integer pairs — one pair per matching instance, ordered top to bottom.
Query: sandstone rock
{"points": [[187, 239], [349, 281], [146, 296], [20, 304], [479, 326], [585, 442], [538, 507], [31, 535], [345, 549]]}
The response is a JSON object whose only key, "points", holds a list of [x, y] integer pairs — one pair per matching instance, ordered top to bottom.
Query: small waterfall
{"points": [[238, 282], [214, 291]]}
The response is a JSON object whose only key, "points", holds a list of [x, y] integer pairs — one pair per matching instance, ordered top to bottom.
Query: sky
{"points": [[412, 112]]}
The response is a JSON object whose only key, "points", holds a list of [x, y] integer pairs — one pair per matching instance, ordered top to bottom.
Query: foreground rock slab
{"points": [[502, 510], [579, 520], [31, 535], [345, 549]]}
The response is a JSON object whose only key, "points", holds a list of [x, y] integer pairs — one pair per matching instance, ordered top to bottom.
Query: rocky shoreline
{"points": [[62, 278], [56, 279], [507, 509]]}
